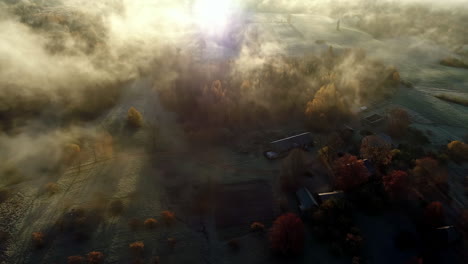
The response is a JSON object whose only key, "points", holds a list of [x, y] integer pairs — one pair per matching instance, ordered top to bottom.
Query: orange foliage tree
{"points": [[376, 149], [458, 151], [350, 172], [427, 172], [168, 217], [150, 223], [287, 234], [38, 239], [137, 248], [95, 257], [75, 260]]}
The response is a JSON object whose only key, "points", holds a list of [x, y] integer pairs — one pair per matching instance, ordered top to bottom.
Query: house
{"points": [[373, 120], [306, 200], [447, 235]]}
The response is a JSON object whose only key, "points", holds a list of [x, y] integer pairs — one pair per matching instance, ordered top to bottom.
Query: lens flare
{"points": [[212, 15]]}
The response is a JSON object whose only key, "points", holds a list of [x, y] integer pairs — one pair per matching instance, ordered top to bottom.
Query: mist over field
{"points": [[202, 72]]}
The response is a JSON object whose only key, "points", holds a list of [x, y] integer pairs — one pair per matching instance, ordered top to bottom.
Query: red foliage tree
{"points": [[350, 172], [396, 183], [434, 214], [150, 223], [287, 234], [95, 257]]}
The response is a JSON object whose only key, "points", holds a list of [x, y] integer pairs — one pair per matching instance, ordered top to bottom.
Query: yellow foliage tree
{"points": [[134, 118], [458, 151]]}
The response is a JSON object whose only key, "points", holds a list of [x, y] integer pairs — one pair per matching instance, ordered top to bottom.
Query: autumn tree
{"points": [[327, 106], [134, 118], [398, 122], [376, 149], [458, 151], [71, 152], [350, 172], [428, 172], [396, 183], [52, 188], [434, 214], [168, 217], [150, 223], [257, 227], [287, 234], [38, 239], [137, 248], [95, 257], [75, 260]]}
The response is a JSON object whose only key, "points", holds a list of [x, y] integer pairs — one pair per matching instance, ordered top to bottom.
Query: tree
{"points": [[134, 118], [398, 122], [376, 149], [458, 151], [71, 153], [350, 172], [428, 172], [396, 183], [52, 188], [434, 214], [168, 217], [150, 223], [257, 227], [287, 234], [38, 239], [137, 248], [95, 257], [75, 260]]}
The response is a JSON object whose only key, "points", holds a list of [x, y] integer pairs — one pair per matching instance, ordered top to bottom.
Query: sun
{"points": [[212, 15]]}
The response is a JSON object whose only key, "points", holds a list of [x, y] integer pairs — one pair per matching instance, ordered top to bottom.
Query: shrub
{"points": [[134, 118], [350, 172], [52, 188], [116, 207], [168, 217], [150, 223], [257, 227], [287, 234], [38, 239], [137, 248], [95, 257], [75, 260]]}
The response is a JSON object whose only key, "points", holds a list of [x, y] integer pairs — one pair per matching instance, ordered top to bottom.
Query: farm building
{"points": [[373, 120], [286, 144], [306, 199]]}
